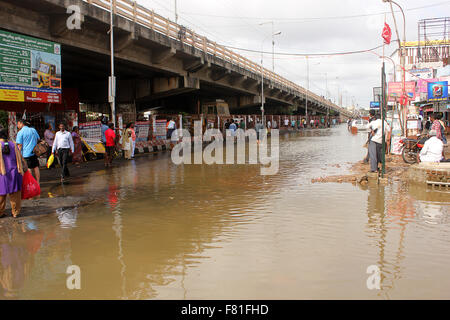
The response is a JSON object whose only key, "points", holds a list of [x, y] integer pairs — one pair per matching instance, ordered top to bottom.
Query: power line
{"points": [[316, 18], [205, 30], [306, 54]]}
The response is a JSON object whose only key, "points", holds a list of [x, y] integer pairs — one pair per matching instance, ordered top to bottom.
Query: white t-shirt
{"points": [[286, 122], [171, 124], [376, 126], [432, 150]]}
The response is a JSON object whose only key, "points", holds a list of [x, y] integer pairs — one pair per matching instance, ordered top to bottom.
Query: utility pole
{"points": [[112, 79], [383, 117]]}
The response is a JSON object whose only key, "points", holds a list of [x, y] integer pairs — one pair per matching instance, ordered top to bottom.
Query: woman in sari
{"points": [[127, 142], [77, 156], [11, 174]]}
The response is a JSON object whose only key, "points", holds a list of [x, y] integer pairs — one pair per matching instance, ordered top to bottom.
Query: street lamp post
{"points": [[176, 12], [273, 42], [401, 50], [262, 74], [112, 79], [307, 90]]}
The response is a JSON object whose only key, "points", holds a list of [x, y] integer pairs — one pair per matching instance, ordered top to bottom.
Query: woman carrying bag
{"points": [[11, 174]]}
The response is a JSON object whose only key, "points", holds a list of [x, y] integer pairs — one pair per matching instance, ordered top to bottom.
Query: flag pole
{"points": [[383, 108]]}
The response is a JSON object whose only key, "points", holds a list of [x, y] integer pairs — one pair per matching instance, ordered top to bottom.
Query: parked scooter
{"points": [[412, 148]]}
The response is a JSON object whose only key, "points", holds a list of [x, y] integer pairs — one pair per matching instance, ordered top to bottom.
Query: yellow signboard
{"points": [[426, 43], [12, 95]]}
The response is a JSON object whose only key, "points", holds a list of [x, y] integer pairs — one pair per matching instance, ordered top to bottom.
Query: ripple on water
{"points": [[160, 230]]}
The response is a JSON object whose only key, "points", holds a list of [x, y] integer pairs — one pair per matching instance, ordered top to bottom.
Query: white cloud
{"points": [[224, 21]]}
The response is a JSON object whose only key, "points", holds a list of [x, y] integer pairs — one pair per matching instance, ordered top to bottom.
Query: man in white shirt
{"points": [[286, 123], [171, 127], [63, 144], [375, 144], [432, 149]]}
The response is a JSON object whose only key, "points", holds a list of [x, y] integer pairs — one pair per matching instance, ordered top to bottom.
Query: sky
{"points": [[307, 27]]}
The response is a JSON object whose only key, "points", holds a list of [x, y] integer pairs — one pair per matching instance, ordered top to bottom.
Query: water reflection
{"points": [[391, 210], [67, 217], [161, 231]]}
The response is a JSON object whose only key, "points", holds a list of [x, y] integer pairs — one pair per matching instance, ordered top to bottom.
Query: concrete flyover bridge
{"points": [[158, 62]]}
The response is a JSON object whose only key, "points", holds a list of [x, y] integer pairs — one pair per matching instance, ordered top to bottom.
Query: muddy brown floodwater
{"points": [[159, 231]]}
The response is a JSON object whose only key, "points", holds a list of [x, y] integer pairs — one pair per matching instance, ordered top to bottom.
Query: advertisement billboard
{"points": [[30, 69], [416, 74], [422, 85], [395, 90], [438, 91], [377, 93], [375, 105], [142, 130], [159, 130], [91, 132]]}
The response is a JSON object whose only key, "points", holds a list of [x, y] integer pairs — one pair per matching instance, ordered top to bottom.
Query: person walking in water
{"points": [[171, 127], [259, 127], [233, 128], [49, 137], [27, 139], [133, 139], [376, 140], [127, 142], [63, 145], [110, 145], [77, 156], [11, 174]]}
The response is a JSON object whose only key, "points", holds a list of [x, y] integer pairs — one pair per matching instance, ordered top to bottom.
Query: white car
{"points": [[360, 124]]}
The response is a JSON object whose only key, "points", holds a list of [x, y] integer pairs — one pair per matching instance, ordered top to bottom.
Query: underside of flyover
{"points": [[153, 71], [88, 72]]}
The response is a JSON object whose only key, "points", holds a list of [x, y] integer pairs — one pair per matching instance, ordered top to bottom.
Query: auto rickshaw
{"points": [[47, 75]]}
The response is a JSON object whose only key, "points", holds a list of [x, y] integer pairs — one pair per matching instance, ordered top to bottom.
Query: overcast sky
{"points": [[315, 26]]}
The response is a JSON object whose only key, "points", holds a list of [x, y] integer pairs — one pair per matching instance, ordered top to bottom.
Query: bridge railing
{"points": [[139, 14]]}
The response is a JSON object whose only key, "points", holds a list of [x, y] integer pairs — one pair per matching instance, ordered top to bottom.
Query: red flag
{"points": [[387, 33]]}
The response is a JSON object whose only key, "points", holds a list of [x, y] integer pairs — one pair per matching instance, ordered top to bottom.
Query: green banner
{"points": [[25, 42], [12, 52], [22, 62], [29, 64], [15, 70], [12, 78]]}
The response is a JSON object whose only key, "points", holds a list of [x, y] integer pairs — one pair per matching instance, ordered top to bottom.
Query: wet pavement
{"points": [[153, 230]]}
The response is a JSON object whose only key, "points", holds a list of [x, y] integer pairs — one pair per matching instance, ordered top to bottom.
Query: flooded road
{"points": [[160, 231]]}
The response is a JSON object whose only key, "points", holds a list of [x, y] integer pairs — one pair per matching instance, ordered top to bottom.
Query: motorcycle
{"points": [[411, 148]]}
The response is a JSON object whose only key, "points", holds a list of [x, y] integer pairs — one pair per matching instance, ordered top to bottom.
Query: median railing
{"points": [[131, 10]]}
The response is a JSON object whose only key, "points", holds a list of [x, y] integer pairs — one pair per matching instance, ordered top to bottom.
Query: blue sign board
{"points": [[438, 91], [375, 105]]}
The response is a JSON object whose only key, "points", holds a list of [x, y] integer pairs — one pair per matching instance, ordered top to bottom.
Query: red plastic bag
{"points": [[30, 187]]}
